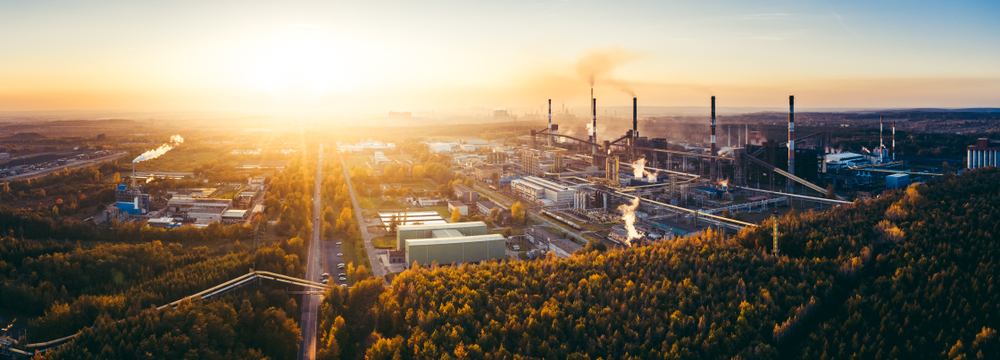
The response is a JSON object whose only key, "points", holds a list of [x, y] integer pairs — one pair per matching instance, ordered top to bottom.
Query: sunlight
{"points": [[303, 66]]}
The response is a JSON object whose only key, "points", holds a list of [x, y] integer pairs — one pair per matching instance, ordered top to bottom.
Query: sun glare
{"points": [[304, 66]]}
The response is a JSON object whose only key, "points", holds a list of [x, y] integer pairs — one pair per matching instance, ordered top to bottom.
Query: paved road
{"points": [[73, 165], [377, 269], [310, 303]]}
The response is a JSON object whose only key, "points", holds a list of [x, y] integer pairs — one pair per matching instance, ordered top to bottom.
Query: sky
{"points": [[348, 58]]}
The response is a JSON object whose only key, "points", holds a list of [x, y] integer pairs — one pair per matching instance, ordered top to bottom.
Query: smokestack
{"points": [[594, 105], [635, 121], [550, 123], [791, 139], [894, 140], [881, 143], [714, 151], [133, 174]]}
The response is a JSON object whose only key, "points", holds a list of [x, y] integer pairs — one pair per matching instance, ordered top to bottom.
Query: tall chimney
{"points": [[635, 121], [550, 123], [594, 124], [791, 140], [893, 140], [881, 143], [714, 151], [133, 174]]}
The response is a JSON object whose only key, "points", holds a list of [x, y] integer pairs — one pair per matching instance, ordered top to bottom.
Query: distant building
{"points": [[369, 145], [983, 153], [4, 156], [845, 160], [487, 173], [897, 181], [256, 183], [536, 189], [466, 194], [131, 200], [454, 206], [485, 206], [234, 216], [163, 223], [456, 243]]}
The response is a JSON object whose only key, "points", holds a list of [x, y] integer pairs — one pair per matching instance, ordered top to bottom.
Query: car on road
{"points": [[339, 243], [340, 254], [341, 274], [343, 278], [343, 285]]}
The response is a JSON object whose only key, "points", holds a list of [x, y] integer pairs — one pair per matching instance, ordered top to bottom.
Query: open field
{"points": [[384, 242]]}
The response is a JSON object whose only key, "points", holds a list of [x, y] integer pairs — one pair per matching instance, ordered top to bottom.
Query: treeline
{"points": [[64, 192], [289, 198], [33, 225], [33, 284], [932, 293], [121, 296], [238, 327]]}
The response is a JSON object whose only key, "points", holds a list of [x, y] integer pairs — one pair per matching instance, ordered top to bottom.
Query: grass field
{"points": [[356, 160], [370, 203], [384, 242]]}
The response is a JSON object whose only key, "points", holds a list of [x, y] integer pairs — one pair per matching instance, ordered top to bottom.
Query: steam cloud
{"points": [[601, 62], [155, 153], [639, 169], [628, 215]]}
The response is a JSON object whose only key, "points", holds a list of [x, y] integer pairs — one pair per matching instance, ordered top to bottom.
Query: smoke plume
{"points": [[598, 63], [155, 153], [639, 169], [628, 215]]}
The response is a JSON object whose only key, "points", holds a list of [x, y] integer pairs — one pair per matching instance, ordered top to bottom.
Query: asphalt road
{"points": [[73, 165], [377, 269], [310, 303]]}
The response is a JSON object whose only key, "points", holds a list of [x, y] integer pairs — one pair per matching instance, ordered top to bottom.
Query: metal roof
{"points": [[455, 240]]}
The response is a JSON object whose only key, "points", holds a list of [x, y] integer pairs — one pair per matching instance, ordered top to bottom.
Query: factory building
{"points": [[983, 153], [897, 181], [544, 191], [466, 194], [131, 201], [450, 243]]}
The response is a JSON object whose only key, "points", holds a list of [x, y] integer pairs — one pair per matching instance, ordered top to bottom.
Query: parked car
{"points": [[325, 275], [343, 278]]}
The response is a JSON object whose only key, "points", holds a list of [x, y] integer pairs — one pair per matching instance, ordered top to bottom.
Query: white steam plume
{"points": [[155, 153], [639, 169], [628, 215]]}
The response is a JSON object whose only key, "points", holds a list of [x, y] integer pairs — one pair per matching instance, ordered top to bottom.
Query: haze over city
{"points": [[368, 58]]}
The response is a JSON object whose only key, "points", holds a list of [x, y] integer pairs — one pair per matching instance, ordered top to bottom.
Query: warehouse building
{"points": [[544, 191], [449, 243]]}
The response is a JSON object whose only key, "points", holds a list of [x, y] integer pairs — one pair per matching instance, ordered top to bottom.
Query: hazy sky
{"points": [[359, 57]]}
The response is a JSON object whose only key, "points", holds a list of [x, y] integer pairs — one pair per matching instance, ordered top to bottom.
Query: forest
{"points": [[908, 275]]}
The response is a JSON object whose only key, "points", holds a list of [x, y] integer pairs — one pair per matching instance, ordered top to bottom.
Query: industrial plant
{"points": [[679, 188]]}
